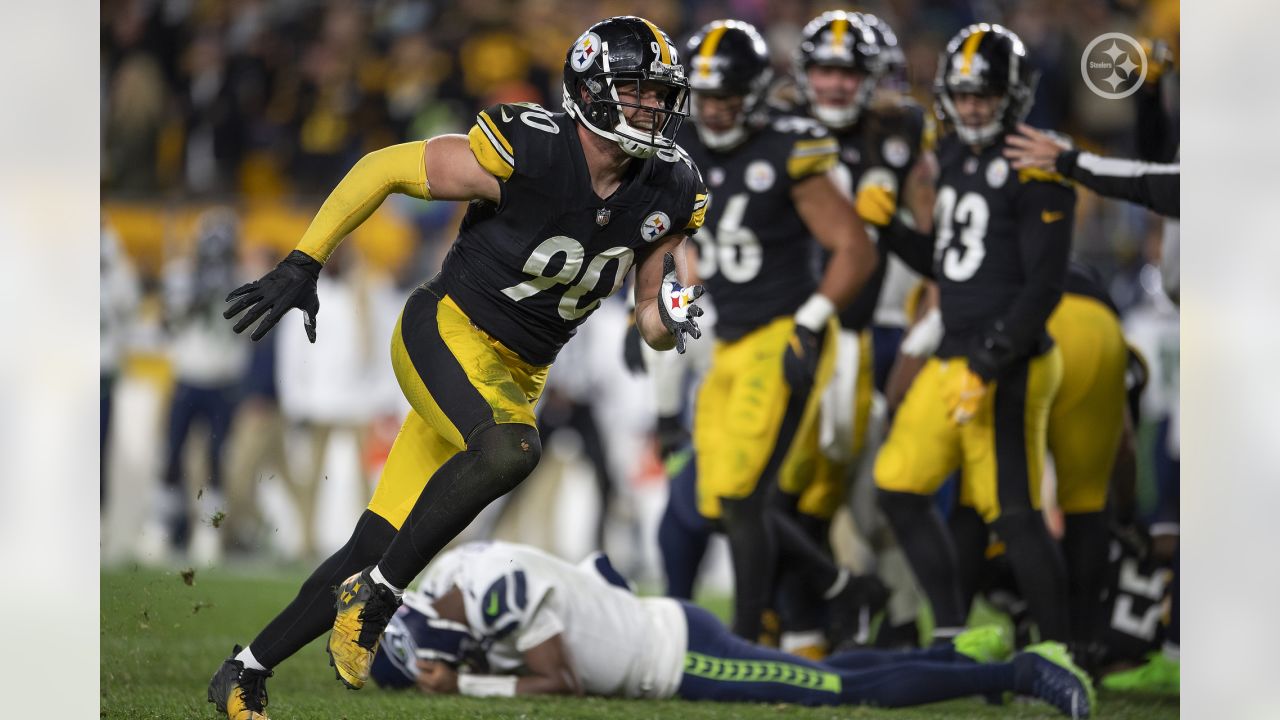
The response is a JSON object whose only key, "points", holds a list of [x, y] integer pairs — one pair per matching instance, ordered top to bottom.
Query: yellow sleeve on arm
{"points": [[492, 149], [811, 157], [396, 169], [700, 202]]}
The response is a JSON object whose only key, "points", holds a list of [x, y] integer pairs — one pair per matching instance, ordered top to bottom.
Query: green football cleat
{"points": [[364, 609], [984, 644], [1046, 671], [1158, 675], [238, 691]]}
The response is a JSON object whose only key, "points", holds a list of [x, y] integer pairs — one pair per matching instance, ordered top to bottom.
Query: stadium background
{"points": [[262, 106]]}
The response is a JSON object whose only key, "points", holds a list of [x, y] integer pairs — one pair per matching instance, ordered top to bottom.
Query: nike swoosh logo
{"points": [[505, 116], [1049, 217], [493, 604]]}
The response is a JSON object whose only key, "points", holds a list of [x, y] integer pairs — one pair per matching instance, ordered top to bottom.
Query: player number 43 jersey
{"points": [[992, 226], [531, 268]]}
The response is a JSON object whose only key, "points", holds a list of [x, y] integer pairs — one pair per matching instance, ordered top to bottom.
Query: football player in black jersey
{"points": [[850, 71], [563, 205], [998, 252], [754, 422], [1087, 435]]}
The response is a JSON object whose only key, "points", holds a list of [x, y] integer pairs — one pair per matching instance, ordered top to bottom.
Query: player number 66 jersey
{"points": [[755, 254]]}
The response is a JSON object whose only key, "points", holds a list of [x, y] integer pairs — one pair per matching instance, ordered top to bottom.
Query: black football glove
{"points": [[292, 284], [675, 304], [632, 350], [991, 352], [800, 359], [673, 436]]}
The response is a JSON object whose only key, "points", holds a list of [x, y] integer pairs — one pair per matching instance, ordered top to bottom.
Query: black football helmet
{"points": [[839, 39], [625, 50], [729, 58], [985, 60], [893, 61]]}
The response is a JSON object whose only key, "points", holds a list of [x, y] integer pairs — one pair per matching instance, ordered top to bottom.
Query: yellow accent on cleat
{"points": [[364, 608], [240, 693], [237, 711]]}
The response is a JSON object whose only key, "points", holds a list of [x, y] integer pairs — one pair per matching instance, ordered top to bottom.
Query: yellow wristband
{"points": [[396, 169]]}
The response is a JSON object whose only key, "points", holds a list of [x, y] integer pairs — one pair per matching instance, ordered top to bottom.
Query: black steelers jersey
{"points": [[879, 150], [1002, 239], [755, 255], [530, 269]]}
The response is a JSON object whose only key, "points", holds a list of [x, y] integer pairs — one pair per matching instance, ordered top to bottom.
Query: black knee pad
{"points": [[508, 452], [901, 507], [743, 512], [1019, 524]]}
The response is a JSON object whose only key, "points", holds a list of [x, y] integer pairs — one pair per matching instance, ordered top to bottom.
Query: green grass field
{"points": [[162, 639]]}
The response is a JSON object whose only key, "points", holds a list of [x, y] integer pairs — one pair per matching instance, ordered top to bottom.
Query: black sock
{"points": [[496, 460], [818, 530], [970, 535], [924, 538], [1084, 547], [799, 553], [755, 557], [1039, 569], [806, 573], [311, 613]]}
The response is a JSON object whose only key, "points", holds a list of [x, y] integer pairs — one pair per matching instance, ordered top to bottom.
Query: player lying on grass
{"points": [[498, 619]]}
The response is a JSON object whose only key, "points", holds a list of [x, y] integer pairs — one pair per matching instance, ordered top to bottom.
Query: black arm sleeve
{"points": [[1154, 138], [1154, 186], [1045, 212], [912, 246]]}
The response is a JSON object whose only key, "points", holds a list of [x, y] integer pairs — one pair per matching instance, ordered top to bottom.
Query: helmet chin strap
{"points": [[836, 117], [839, 118], [981, 135], [721, 140], [637, 149]]}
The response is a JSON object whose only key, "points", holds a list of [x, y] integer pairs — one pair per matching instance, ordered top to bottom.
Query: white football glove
{"points": [[675, 304]]}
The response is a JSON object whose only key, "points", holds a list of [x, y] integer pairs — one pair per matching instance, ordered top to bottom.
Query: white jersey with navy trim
{"points": [[517, 597]]}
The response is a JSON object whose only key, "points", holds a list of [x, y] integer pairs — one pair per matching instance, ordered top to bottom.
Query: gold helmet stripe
{"points": [[838, 30], [709, 45], [664, 50], [967, 52]]}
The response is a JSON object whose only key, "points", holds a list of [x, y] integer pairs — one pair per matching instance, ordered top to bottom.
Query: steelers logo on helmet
{"points": [[584, 51], [612, 74], [655, 226]]}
